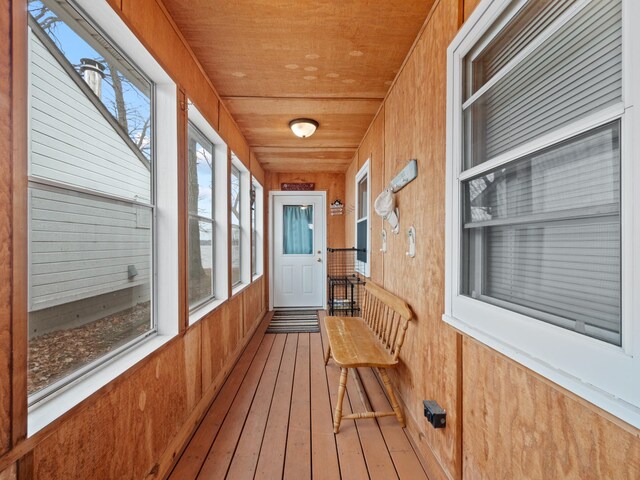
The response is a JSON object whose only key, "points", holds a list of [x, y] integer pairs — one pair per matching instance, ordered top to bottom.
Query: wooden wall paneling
{"points": [[115, 4], [469, 7], [149, 20], [415, 127], [231, 134], [372, 148], [256, 169], [271, 183], [350, 204], [6, 206], [183, 218], [19, 220], [252, 307], [261, 308], [235, 321], [221, 334], [214, 336], [193, 365], [122, 433], [506, 435], [9, 473]]}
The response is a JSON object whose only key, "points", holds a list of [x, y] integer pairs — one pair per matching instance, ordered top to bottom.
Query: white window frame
{"points": [[220, 208], [245, 224], [166, 227], [258, 237], [363, 268], [599, 372]]}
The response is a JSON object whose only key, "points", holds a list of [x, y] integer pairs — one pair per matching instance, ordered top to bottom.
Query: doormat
{"points": [[294, 321]]}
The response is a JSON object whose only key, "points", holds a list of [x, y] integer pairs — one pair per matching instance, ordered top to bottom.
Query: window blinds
{"points": [[522, 29], [574, 73], [549, 226], [541, 233]]}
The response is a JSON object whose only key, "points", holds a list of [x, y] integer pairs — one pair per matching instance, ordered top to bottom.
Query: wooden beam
{"points": [[19, 216], [183, 217], [6, 398]]}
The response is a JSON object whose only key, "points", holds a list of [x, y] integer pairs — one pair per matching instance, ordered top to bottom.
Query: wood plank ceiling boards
{"points": [[277, 60]]}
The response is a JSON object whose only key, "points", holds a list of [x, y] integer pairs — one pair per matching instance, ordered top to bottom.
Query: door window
{"points": [[297, 229]]}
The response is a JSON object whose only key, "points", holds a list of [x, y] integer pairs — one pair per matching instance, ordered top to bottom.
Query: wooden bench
{"points": [[373, 340]]}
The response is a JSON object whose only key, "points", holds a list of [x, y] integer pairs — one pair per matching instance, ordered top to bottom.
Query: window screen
{"points": [[236, 231], [200, 251]]}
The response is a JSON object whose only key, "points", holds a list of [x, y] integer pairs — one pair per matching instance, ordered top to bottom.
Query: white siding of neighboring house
{"points": [[71, 141], [80, 245]]}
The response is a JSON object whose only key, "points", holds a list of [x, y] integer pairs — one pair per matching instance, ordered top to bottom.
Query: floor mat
{"points": [[294, 321]]}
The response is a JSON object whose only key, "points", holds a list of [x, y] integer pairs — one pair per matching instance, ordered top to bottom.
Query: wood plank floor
{"points": [[272, 419]]}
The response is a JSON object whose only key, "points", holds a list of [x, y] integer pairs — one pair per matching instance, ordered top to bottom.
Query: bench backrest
{"points": [[387, 316]]}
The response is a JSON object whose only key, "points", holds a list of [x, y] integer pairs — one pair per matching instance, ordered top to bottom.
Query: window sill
{"points": [[365, 274], [257, 276], [238, 288], [205, 309], [600, 398], [46, 411]]}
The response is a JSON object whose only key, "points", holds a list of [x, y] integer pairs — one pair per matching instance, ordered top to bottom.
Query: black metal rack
{"points": [[344, 283]]}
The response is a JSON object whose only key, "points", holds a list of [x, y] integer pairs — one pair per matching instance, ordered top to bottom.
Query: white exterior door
{"points": [[298, 249]]}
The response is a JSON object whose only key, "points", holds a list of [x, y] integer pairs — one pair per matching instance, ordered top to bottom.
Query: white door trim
{"points": [[323, 196]]}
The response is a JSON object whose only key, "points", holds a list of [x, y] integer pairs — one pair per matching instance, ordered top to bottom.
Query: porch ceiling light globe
{"points": [[303, 127]]}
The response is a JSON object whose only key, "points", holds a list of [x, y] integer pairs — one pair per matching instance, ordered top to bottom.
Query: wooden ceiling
{"points": [[275, 60]]}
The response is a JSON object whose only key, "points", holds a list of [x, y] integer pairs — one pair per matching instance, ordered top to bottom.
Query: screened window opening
{"points": [[91, 198], [362, 221], [201, 222], [236, 229], [254, 231]]}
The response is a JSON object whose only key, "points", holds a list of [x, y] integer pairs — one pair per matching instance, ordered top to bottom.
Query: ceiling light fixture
{"points": [[303, 127]]}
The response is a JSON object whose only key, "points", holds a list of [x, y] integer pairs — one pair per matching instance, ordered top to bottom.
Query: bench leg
{"points": [[327, 355], [392, 397], [337, 418]]}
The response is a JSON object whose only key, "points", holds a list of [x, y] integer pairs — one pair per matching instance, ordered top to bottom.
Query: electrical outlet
{"points": [[435, 414]]}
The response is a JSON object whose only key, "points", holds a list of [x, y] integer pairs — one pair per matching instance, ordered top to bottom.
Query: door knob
{"points": [[319, 260]]}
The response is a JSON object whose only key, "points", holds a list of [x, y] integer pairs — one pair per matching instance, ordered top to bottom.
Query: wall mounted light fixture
{"points": [[303, 127]]}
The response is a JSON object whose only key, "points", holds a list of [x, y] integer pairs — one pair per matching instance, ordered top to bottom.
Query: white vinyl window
{"points": [[102, 130], [91, 198], [240, 206], [257, 215], [236, 227], [207, 235], [363, 240], [539, 245], [201, 248]]}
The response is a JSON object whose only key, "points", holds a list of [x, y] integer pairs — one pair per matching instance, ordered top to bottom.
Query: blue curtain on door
{"points": [[297, 229]]}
